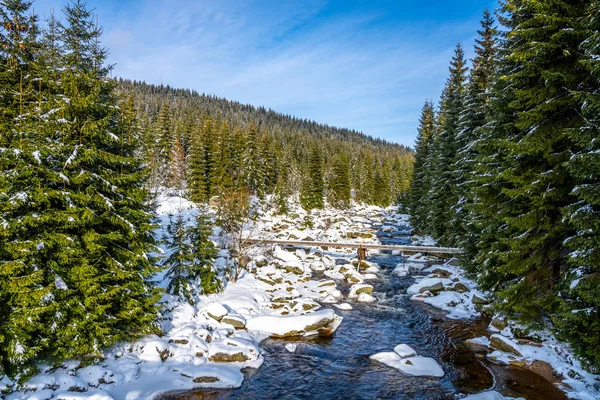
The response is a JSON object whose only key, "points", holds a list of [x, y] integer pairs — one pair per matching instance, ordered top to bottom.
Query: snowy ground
{"points": [[445, 287], [208, 344]]}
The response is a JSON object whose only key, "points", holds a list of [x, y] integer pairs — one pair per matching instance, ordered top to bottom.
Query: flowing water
{"points": [[340, 368]]}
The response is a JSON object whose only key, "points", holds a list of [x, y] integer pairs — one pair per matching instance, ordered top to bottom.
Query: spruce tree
{"points": [[543, 41], [472, 121], [198, 166], [340, 182], [420, 186], [313, 187], [443, 192], [98, 230], [204, 253], [180, 260], [26, 290], [579, 317]]}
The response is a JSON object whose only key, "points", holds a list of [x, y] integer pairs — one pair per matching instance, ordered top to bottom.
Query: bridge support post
{"points": [[362, 254]]}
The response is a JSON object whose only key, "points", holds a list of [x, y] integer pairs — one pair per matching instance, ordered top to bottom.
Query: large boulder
{"points": [[433, 285], [292, 325], [232, 350]]}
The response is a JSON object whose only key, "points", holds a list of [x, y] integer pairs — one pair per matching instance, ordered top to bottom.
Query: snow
{"points": [[36, 155], [72, 156], [170, 205], [285, 256], [60, 283], [426, 283], [343, 306], [216, 310], [291, 325], [291, 347], [404, 350], [415, 366], [490, 395]]}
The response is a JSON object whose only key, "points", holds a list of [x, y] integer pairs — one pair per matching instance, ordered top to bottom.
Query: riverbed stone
{"points": [[443, 273], [436, 287], [460, 287], [356, 290], [479, 300], [237, 321], [499, 323], [505, 344]]}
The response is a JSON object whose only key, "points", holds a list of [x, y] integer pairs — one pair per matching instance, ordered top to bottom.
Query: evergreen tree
{"points": [[544, 42], [471, 125], [254, 162], [177, 165], [198, 165], [340, 183], [420, 186], [313, 188], [443, 192], [99, 229], [204, 253], [180, 261], [25, 292], [579, 317]]}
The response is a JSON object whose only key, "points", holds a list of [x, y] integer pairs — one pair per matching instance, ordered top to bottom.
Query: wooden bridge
{"points": [[362, 247]]}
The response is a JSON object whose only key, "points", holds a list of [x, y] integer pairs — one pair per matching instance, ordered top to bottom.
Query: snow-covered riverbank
{"points": [[295, 292]]}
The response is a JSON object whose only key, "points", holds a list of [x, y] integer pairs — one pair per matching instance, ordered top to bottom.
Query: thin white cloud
{"points": [[346, 69]]}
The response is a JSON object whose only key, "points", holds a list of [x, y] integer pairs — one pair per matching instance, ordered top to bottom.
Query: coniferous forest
{"points": [[212, 146], [508, 166]]}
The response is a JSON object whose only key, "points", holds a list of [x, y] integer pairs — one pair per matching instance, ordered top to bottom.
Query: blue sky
{"points": [[366, 65]]}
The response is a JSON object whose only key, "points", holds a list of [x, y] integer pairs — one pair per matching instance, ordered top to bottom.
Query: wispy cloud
{"points": [[366, 69]]}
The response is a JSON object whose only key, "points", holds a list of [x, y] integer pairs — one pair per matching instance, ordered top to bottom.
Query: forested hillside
{"points": [[211, 146], [508, 166]]}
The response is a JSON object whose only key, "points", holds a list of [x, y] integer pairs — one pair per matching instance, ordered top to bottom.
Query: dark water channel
{"points": [[340, 368]]}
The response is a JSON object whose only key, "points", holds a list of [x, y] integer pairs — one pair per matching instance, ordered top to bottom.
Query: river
{"points": [[340, 368]]}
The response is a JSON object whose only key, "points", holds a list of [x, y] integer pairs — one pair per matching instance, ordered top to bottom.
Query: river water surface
{"points": [[340, 368]]}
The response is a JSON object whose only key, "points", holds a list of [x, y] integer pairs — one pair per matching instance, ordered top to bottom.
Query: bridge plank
{"points": [[405, 249]]}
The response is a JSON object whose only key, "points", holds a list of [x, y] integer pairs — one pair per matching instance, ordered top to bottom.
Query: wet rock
{"points": [[261, 261], [266, 280], [327, 283], [436, 287], [528, 342], [507, 345], [476, 346], [517, 363], [544, 369]]}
